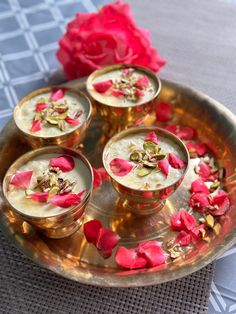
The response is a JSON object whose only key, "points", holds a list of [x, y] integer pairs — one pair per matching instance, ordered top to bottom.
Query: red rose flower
{"points": [[93, 40]]}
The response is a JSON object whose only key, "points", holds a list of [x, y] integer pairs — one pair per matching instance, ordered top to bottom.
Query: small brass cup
{"points": [[123, 117], [69, 139], [144, 202], [59, 225]]}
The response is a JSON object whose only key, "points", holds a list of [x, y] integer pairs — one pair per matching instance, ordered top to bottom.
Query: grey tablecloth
{"points": [[198, 38]]}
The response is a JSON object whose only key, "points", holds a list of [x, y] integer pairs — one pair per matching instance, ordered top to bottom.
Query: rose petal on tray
{"points": [[142, 82], [102, 87], [57, 94], [40, 106], [163, 112], [72, 121], [36, 126], [172, 128], [186, 133], [151, 137], [197, 148], [175, 161], [64, 163], [164, 166], [121, 167], [204, 170], [99, 174], [22, 179], [199, 186], [40, 197], [67, 200], [199, 201], [221, 203], [188, 220], [175, 222], [91, 230], [196, 231], [183, 238], [106, 241], [152, 252], [128, 258]]}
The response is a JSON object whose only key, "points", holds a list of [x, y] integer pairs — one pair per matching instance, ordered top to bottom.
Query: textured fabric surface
{"points": [[198, 38]]}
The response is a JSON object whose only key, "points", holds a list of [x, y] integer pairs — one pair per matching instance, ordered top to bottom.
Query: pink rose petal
{"points": [[128, 71], [142, 82], [102, 87], [117, 93], [139, 93], [57, 94], [40, 106], [163, 112], [72, 121], [36, 126], [172, 128], [186, 133], [152, 137], [197, 147], [175, 161], [64, 163], [164, 166], [121, 167], [204, 170], [99, 174], [22, 179], [199, 186], [41, 197], [67, 200], [221, 200], [199, 202], [188, 220], [175, 222], [91, 230], [195, 232], [183, 238], [106, 241], [152, 252], [128, 258]]}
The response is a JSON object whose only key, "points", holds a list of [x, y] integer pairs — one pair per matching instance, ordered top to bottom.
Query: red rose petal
{"points": [[128, 71], [142, 82], [102, 87], [117, 93], [139, 93], [57, 94], [40, 106], [163, 112], [72, 121], [36, 126], [172, 128], [186, 133], [152, 137], [197, 147], [175, 161], [64, 163], [164, 166], [120, 167], [204, 170], [99, 174], [22, 179], [199, 186], [41, 197], [67, 200], [222, 201], [199, 202], [188, 220], [175, 222], [91, 230], [195, 232], [183, 238], [106, 241], [152, 252], [128, 258]]}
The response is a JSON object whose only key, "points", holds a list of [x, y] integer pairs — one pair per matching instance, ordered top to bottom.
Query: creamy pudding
{"points": [[123, 87], [52, 113], [145, 161], [48, 185]]}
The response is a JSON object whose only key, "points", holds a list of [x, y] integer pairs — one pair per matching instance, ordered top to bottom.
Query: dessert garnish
{"points": [[53, 112], [100, 175]]}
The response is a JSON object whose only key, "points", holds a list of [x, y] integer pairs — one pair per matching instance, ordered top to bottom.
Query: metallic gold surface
{"points": [[119, 118], [69, 139], [145, 202], [60, 225], [74, 258]]}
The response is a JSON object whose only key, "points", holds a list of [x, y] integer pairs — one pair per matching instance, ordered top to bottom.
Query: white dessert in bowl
{"points": [[123, 94], [53, 115], [146, 165], [50, 188]]}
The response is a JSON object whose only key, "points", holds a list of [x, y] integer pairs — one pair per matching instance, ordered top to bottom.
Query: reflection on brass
{"points": [[119, 118], [70, 139], [59, 225], [78, 260]]}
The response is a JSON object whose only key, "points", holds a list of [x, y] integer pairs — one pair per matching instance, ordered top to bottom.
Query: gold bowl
{"points": [[118, 118], [69, 139], [141, 201], [60, 225]]}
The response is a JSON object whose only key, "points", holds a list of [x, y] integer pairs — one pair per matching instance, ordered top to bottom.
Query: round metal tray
{"points": [[74, 258]]}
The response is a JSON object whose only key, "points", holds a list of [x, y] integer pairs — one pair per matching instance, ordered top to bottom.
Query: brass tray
{"points": [[74, 258]]}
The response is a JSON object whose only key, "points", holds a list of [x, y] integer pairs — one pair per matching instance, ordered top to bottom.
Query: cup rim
{"points": [[110, 68], [45, 90], [140, 129], [37, 152]]}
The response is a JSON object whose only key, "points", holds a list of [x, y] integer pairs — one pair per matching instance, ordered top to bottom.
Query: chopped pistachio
{"points": [[52, 120], [151, 146], [136, 156], [149, 164], [144, 172], [214, 186], [54, 190], [209, 221], [217, 228]]}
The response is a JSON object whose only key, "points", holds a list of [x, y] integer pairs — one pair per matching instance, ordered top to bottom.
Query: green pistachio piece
{"points": [[37, 116], [62, 116], [52, 120], [61, 125], [151, 146], [136, 156], [149, 164], [144, 172], [214, 186], [53, 191], [28, 192], [209, 221], [217, 228]]}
